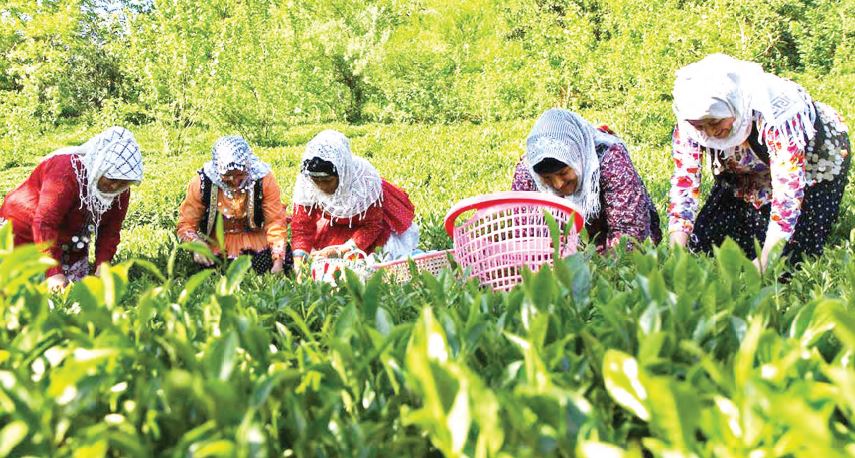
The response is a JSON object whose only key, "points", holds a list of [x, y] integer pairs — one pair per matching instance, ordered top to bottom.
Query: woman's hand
{"points": [[680, 238], [771, 243], [334, 251], [202, 260], [278, 267], [57, 282]]}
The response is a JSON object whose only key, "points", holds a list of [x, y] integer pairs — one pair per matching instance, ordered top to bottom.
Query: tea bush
{"points": [[660, 351], [648, 352]]}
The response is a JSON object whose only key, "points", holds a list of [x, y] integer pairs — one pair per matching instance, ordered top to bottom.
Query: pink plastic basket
{"points": [[507, 232], [399, 270]]}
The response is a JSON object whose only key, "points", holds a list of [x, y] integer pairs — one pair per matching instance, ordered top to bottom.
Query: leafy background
{"points": [[654, 352]]}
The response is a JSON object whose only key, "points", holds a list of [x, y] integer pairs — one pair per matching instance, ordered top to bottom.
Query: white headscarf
{"points": [[720, 86], [566, 137], [232, 152], [112, 154], [359, 183]]}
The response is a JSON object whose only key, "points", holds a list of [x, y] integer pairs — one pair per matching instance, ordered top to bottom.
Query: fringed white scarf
{"points": [[720, 86], [565, 136], [233, 153], [112, 154], [359, 184]]}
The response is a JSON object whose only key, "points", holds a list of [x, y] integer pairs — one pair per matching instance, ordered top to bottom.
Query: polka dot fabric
{"points": [[725, 215], [262, 261]]}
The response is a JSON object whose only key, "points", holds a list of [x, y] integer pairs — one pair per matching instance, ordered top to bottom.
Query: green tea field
{"points": [[657, 352]]}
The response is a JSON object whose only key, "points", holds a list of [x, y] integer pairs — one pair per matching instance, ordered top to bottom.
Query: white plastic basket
{"points": [[329, 269], [399, 270]]}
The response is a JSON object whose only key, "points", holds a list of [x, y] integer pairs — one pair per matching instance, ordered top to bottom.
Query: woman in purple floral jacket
{"points": [[590, 167]]}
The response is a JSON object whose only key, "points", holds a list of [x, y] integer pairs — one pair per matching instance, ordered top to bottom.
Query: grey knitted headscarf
{"points": [[565, 136]]}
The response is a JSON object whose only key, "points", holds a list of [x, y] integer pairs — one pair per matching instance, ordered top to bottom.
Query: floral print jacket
{"points": [[780, 183]]}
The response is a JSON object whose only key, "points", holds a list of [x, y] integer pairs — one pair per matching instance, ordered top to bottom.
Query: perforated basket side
{"points": [[497, 242], [400, 270]]}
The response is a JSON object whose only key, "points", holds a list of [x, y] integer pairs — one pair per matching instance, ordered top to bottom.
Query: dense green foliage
{"points": [[259, 65], [653, 352], [669, 352]]}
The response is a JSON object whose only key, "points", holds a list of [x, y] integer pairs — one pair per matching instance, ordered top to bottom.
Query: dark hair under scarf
{"points": [[548, 165], [318, 168]]}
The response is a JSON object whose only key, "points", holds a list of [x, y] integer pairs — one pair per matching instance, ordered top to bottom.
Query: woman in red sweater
{"points": [[75, 195], [341, 202]]}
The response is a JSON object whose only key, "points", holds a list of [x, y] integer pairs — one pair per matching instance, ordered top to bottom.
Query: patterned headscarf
{"points": [[720, 86], [566, 137], [233, 153], [112, 154], [359, 185]]}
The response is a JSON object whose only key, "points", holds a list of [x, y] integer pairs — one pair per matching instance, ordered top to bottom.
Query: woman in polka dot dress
{"points": [[780, 161], [241, 188], [342, 203]]}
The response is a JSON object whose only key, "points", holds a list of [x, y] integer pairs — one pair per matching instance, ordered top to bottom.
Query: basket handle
{"points": [[511, 197], [354, 251], [348, 252]]}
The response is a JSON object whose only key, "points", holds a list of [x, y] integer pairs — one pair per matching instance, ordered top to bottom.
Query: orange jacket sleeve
{"points": [[190, 212], [275, 225]]}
